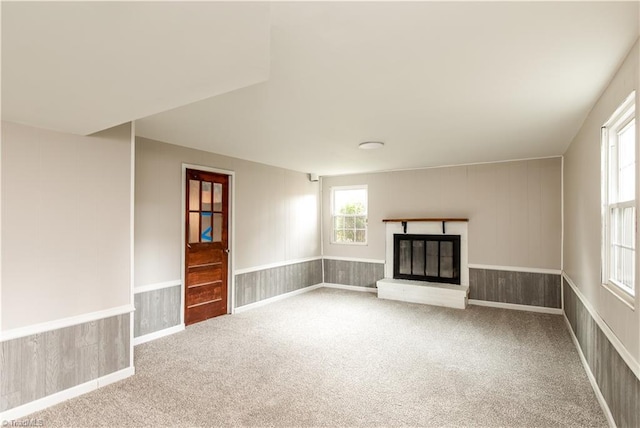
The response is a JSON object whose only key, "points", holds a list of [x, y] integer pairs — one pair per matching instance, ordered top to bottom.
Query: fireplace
{"points": [[431, 258], [426, 261]]}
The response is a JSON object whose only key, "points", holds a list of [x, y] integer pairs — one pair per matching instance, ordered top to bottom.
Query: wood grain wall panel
{"points": [[347, 272], [259, 285], [521, 288], [157, 310], [114, 344], [35, 366], [61, 372], [10, 374], [618, 384]]}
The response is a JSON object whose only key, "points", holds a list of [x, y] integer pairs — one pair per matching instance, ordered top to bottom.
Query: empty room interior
{"points": [[319, 214]]}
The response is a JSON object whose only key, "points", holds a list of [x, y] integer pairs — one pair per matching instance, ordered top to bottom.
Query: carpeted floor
{"points": [[339, 358]]}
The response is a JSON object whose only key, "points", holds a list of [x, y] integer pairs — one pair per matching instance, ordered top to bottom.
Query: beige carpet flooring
{"points": [[339, 358]]}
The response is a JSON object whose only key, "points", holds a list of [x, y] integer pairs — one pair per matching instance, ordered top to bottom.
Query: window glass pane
{"points": [[627, 163], [612, 175], [194, 195], [206, 196], [217, 197], [350, 201], [628, 220], [338, 222], [361, 222], [349, 223], [217, 227], [194, 228], [205, 228], [349, 236], [361, 236], [628, 267]]}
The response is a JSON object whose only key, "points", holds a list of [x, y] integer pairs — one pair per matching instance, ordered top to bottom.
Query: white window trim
{"points": [[623, 115], [366, 231]]}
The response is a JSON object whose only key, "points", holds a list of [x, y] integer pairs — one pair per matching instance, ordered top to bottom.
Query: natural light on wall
{"points": [[619, 201], [349, 215]]}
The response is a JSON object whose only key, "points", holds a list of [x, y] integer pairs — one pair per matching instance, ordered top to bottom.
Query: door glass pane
{"points": [[194, 195], [206, 196], [217, 197], [217, 227], [194, 228], [205, 235], [405, 257], [418, 258], [432, 258], [446, 259]]}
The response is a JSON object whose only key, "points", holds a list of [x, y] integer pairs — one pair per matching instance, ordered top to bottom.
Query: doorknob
{"points": [[226, 250]]}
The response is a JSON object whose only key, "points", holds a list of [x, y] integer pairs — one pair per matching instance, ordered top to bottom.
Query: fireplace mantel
{"points": [[403, 220], [442, 220]]}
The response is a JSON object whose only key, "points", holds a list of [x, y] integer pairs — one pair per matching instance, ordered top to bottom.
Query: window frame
{"points": [[623, 116], [333, 215]]}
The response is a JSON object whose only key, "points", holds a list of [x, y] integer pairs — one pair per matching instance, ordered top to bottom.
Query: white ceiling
{"points": [[81, 67], [439, 83]]}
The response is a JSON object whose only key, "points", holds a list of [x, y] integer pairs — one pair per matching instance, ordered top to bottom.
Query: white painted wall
{"points": [[513, 209], [582, 209], [277, 214], [65, 219]]}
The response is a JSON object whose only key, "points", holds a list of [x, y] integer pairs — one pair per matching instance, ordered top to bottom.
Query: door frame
{"points": [[231, 284]]}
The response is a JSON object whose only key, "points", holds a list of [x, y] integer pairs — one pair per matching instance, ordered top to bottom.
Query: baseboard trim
{"points": [[354, 259], [515, 269], [157, 286], [351, 287], [273, 299], [513, 306], [17, 333], [158, 334], [617, 344], [592, 379], [59, 397]]}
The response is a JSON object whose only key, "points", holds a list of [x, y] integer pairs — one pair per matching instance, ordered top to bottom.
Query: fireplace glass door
{"points": [[434, 258]]}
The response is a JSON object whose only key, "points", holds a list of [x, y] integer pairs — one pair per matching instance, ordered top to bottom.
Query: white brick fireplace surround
{"points": [[431, 293]]}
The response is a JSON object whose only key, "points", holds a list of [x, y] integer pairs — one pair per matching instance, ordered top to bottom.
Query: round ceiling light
{"points": [[370, 145]]}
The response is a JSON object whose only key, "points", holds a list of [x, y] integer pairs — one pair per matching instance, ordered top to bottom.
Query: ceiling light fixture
{"points": [[369, 145]]}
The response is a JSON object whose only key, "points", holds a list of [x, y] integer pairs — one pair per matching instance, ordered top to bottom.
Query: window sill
{"points": [[358, 244], [625, 297]]}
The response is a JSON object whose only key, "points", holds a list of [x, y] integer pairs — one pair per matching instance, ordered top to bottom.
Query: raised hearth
{"points": [[430, 293]]}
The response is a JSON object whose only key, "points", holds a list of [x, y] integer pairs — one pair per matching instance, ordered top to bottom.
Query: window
{"points": [[619, 201], [349, 214]]}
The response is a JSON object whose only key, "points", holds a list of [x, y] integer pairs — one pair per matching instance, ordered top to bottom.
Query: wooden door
{"points": [[206, 245]]}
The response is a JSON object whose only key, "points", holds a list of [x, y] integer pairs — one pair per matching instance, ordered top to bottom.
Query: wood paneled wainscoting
{"points": [[259, 284], [534, 289], [157, 311], [62, 363], [618, 384]]}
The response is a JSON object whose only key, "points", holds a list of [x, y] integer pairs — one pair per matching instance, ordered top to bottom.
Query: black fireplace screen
{"points": [[434, 258]]}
